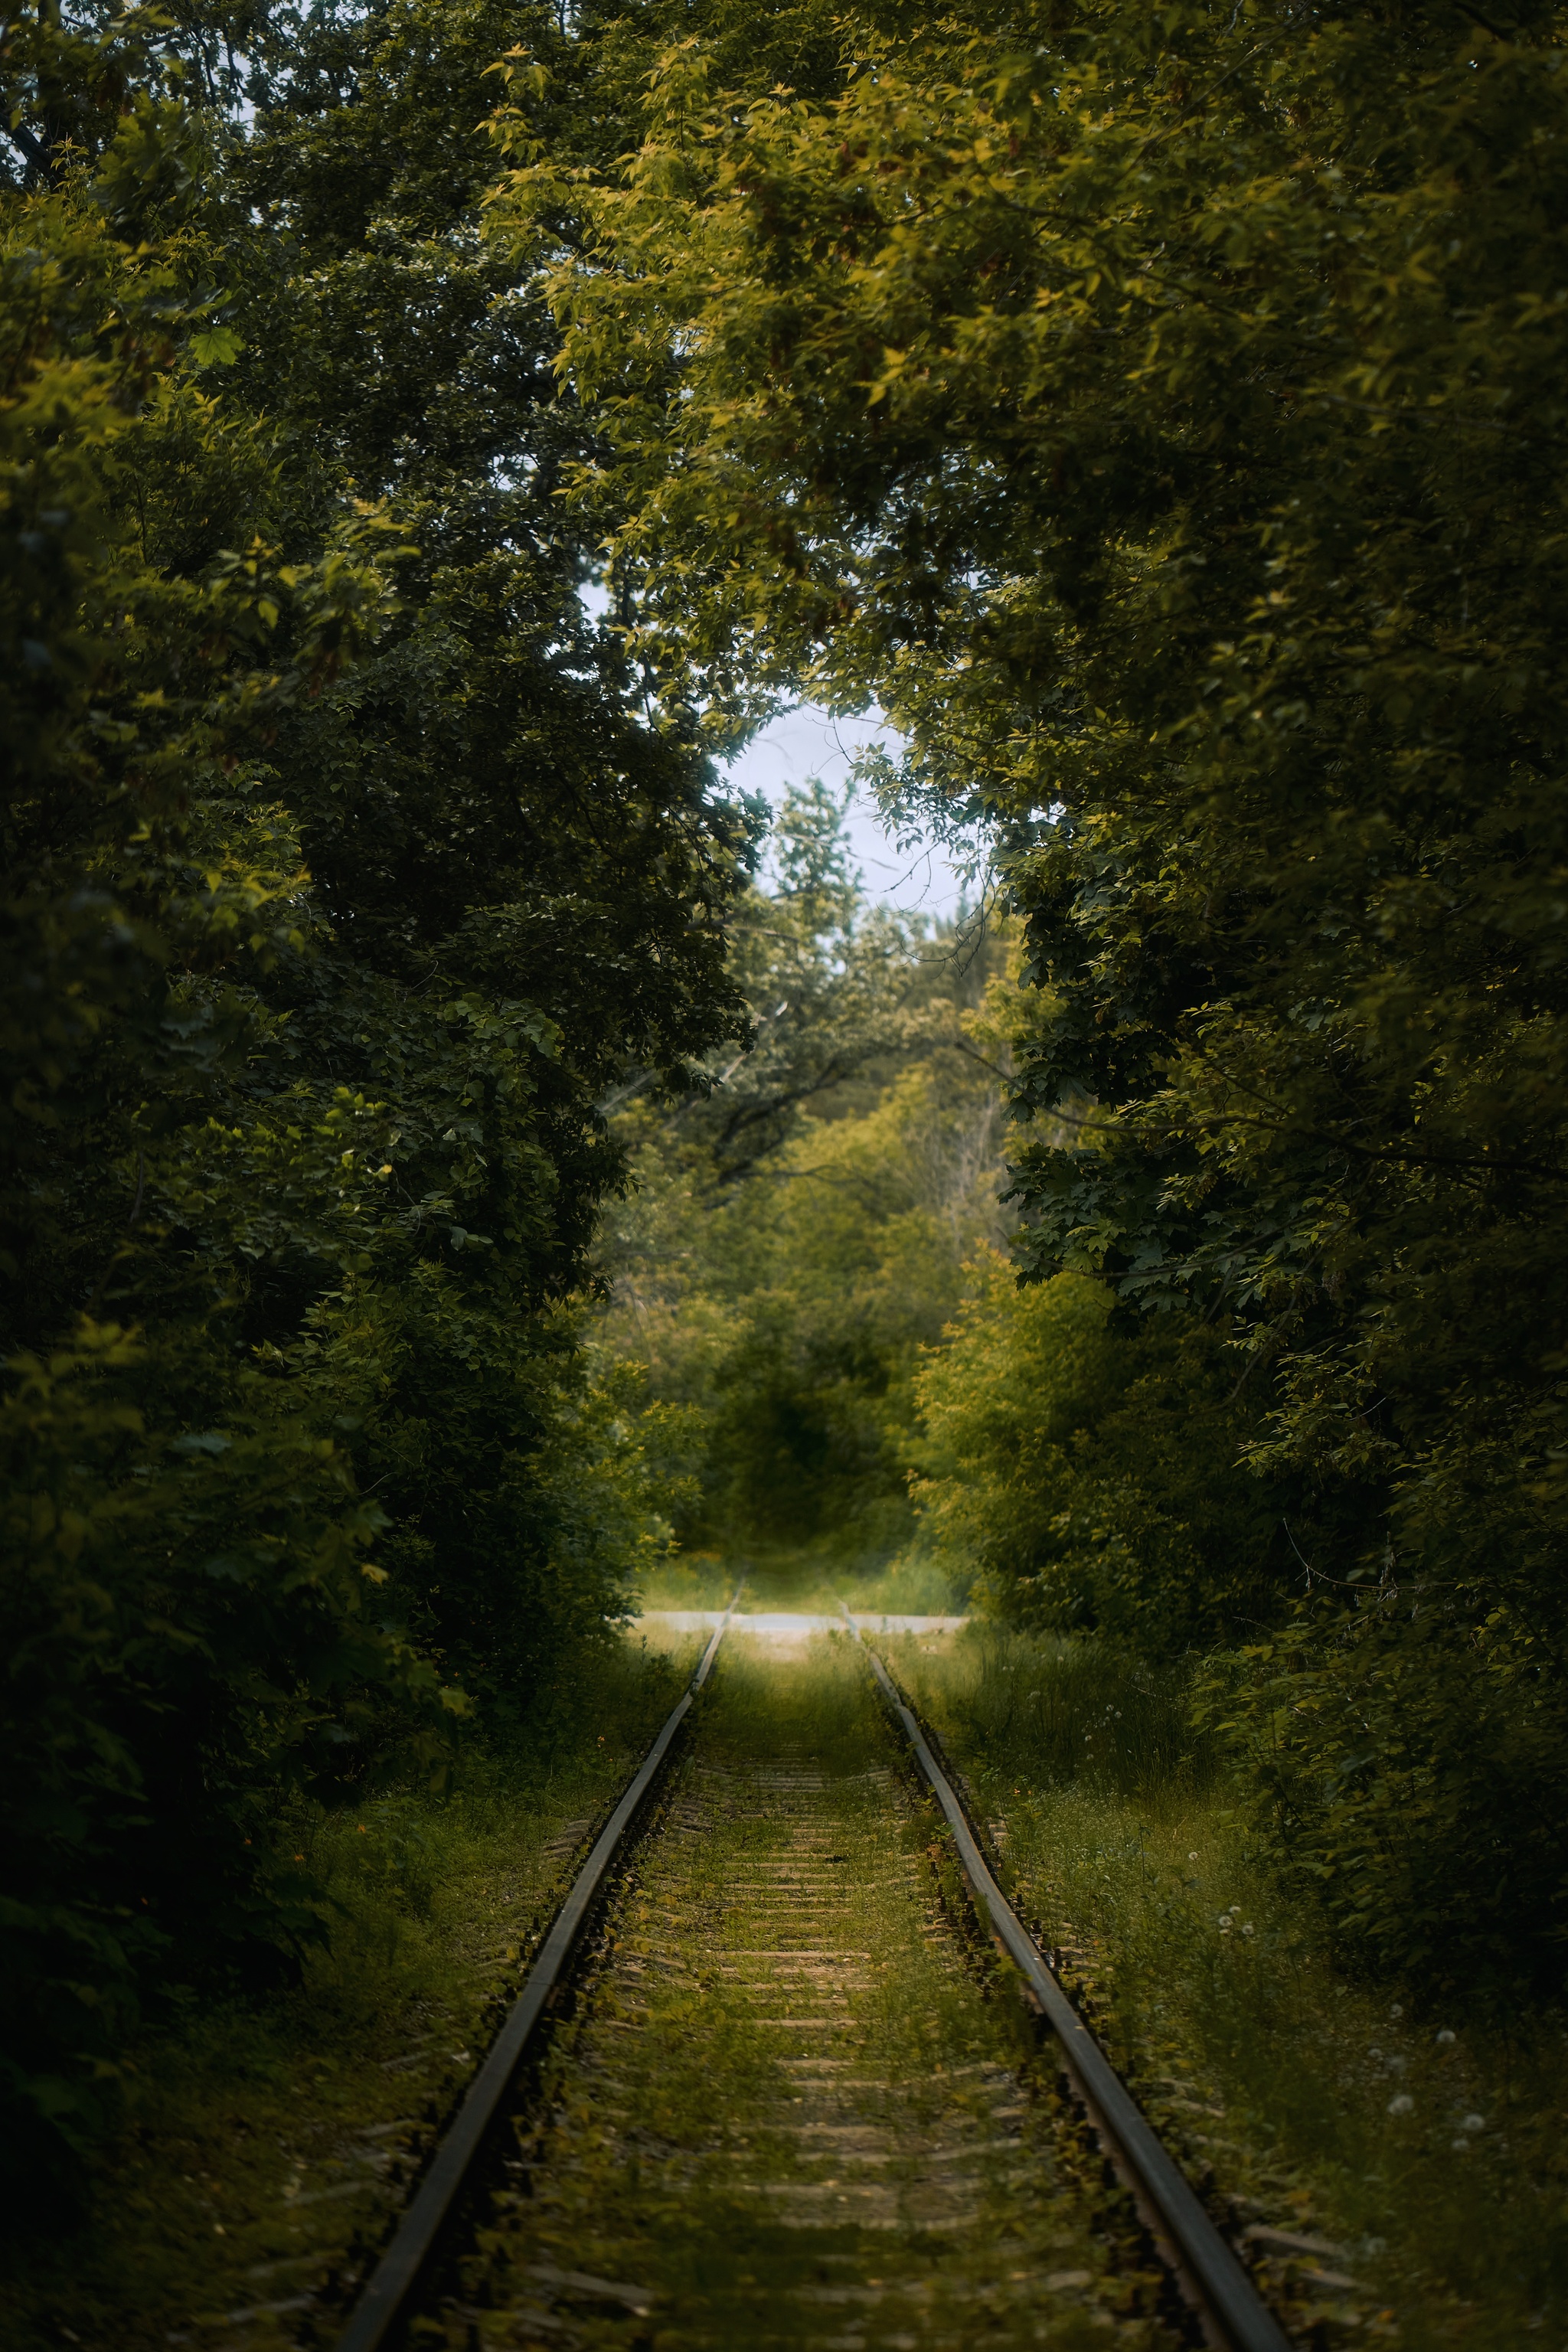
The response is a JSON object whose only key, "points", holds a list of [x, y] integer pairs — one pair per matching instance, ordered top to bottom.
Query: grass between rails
{"points": [[798, 2098], [269, 2137], [1424, 2149]]}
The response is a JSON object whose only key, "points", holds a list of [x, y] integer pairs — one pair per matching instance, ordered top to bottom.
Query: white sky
{"points": [[808, 742]]}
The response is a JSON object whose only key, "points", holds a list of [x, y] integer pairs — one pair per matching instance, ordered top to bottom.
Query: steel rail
{"points": [[1210, 2270], [381, 2304]]}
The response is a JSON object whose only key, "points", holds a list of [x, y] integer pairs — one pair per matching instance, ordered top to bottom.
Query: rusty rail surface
{"points": [[381, 2304]]}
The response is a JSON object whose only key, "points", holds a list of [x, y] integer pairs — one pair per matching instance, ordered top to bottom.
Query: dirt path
{"points": [[790, 2113]]}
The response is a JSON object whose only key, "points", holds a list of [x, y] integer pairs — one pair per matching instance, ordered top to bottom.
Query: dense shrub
{"points": [[342, 875], [1085, 1476], [1404, 1757]]}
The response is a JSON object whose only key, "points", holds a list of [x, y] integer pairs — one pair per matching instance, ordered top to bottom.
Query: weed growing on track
{"points": [[793, 2102], [270, 2134], [1424, 2149]]}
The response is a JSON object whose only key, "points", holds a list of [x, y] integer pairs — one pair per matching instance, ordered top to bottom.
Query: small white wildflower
{"points": [[1444, 2037], [1400, 2103]]}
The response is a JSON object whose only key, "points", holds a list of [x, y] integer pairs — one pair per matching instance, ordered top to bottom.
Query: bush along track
{"points": [[272, 2142], [1391, 2164]]}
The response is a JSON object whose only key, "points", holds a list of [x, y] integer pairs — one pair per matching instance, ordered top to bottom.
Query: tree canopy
{"points": [[1159, 414], [429, 435], [345, 873], [795, 1235]]}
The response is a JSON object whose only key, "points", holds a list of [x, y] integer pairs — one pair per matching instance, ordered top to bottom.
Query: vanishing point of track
{"points": [[765, 2086]]}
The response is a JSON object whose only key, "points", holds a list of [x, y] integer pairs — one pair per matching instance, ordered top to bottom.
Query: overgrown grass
{"points": [[805, 1577], [691, 1579], [911, 1585], [1076, 1712], [268, 2137], [1425, 2146], [866, 2169]]}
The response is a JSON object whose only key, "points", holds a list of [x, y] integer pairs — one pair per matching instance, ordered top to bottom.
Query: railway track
{"points": [[807, 2083]]}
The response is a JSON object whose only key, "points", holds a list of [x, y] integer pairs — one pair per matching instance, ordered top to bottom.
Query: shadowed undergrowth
{"points": [[268, 2137], [1421, 2144]]}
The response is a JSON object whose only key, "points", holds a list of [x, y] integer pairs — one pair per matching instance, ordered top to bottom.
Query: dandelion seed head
{"points": [[1445, 2036], [1402, 2104], [1473, 2123]]}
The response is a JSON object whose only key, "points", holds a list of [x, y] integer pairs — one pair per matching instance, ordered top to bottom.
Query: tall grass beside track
{"points": [[792, 2108], [271, 2136], [1425, 2148]]}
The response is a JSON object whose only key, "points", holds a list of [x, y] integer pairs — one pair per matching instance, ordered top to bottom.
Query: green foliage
{"points": [[1158, 414], [344, 874], [833, 990], [798, 1232], [841, 1261], [1084, 1477], [187, 1643], [1022, 1705], [1404, 1760], [1421, 2139]]}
